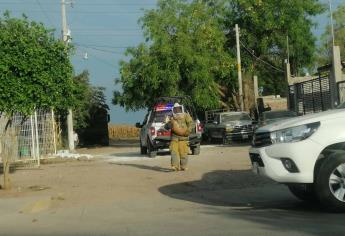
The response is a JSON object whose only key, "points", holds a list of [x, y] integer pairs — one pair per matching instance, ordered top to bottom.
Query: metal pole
{"points": [[65, 39], [239, 70], [54, 137], [37, 140], [33, 152]]}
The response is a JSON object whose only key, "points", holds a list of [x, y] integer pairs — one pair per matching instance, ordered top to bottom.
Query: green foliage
{"points": [[264, 26], [339, 37], [191, 47], [184, 55], [35, 70], [89, 100]]}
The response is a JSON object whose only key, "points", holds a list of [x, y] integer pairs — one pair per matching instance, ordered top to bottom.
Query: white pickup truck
{"points": [[307, 154]]}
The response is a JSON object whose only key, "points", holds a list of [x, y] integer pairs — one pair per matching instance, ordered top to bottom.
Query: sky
{"points": [[101, 31]]}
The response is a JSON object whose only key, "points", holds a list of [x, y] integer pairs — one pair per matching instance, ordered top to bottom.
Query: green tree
{"points": [[265, 26], [339, 37], [184, 55], [35, 72], [88, 100]]}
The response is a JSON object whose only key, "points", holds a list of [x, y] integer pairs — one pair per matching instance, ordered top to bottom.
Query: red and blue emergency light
{"points": [[164, 107]]}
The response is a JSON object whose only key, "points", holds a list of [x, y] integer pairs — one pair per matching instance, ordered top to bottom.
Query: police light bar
{"points": [[164, 107]]}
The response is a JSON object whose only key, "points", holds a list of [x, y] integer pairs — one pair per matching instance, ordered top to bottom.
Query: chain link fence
{"points": [[29, 137]]}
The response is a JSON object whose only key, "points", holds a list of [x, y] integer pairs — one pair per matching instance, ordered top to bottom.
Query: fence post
{"points": [[336, 75], [288, 81], [53, 122], [37, 140], [33, 151]]}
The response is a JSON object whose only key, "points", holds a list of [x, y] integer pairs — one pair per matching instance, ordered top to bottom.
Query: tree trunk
{"points": [[8, 151], [6, 172]]}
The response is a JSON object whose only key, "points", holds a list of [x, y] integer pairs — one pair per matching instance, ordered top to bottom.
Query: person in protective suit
{"points": [[181, 124]]}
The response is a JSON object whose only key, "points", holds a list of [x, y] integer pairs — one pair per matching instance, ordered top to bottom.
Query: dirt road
{"points": [[120, 192]]}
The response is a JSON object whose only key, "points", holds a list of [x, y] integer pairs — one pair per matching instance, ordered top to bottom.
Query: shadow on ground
{"points": [[136, 155], [145, 167], [243, 195]]}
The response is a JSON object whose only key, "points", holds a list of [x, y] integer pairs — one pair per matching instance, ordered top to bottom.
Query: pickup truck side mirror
{"points": [[138, 125]]}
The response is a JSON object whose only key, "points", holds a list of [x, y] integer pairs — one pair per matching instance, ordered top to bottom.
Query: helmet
{"points": [[177, 109]]}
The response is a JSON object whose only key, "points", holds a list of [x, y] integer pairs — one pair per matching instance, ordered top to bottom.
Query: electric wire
{"points": [[250, 51]]}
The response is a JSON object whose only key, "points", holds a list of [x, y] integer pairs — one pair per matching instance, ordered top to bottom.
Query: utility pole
{"points": [[332, 26], [65, 38], [239, 70]]}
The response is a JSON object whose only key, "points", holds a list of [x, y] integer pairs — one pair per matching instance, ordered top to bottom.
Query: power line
{"points": [[84, 4], [89, 12], [44, 13], [103, 46], [101, 50], [250, 51]]}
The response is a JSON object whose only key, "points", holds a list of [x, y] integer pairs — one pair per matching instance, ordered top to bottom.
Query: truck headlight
{"points": [[229, 128], [294, 134]]}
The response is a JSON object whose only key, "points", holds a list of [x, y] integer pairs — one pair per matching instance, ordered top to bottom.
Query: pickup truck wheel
{"points": [[209, 138], [143, 150], [196, 150], [152, 153], [330, 183], [304, 192]]}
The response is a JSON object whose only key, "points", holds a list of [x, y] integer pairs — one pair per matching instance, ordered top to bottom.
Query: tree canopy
{"points": [[265, 27], [339, 37], [190, 49], [184, 55], [35, 70], [89, 99]]}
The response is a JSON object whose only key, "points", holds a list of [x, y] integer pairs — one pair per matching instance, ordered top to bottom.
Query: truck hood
{"points": [[301, 120], [237, 123]]}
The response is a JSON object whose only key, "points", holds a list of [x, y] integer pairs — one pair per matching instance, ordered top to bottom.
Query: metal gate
{"points": [[310, 96], [33, 138]]}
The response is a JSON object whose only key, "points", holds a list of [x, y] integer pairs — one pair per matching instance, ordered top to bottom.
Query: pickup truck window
{"points": [[159, 116], [227, 118]]}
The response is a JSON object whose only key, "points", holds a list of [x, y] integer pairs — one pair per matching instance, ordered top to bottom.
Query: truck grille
{"points": [[243, 128], [262, 139]]}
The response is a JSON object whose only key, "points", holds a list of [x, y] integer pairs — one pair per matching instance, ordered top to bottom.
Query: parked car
{"points": [[269, 117], [229, 126], [154, 137], [307, 154]]}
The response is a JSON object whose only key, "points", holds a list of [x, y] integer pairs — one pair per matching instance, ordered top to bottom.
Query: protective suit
{"points": [[181, 126]]}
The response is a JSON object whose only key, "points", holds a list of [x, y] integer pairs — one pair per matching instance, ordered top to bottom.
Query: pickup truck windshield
{"points": [[159, 116], [234, 117]]}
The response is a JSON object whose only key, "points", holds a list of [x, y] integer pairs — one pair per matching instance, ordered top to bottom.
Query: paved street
{"points": [[120, 192]]}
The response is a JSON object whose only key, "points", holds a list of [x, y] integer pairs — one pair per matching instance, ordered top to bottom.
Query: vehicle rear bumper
{"points": [[238, 135], [163, 142]]}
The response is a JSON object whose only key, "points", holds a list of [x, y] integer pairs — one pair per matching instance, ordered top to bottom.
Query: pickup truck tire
{"points": [[209, 137], [143, 150], [196, 150], [152, 153], [330, 183], [304, 192]]}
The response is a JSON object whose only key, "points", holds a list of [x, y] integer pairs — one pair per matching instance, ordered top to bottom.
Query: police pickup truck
{"points": [[153, 136]]}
